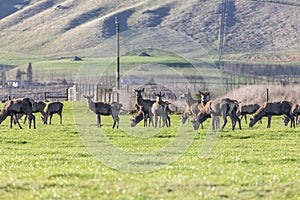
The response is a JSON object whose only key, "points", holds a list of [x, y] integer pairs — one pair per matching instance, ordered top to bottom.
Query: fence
{"points": [[55, 96]]}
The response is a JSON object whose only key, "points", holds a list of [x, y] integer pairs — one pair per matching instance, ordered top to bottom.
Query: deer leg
{"points": [[60, 115], [33, 118], [50, 118], [246, 118], [25, 119], [145, 119], [156, 119], [237, 119], [98, 120], [11, 121], [17, 121], [115, 121], [269, 121], [292, 121], [224, 122], [233, 122], [213, 123], [114, 124]]}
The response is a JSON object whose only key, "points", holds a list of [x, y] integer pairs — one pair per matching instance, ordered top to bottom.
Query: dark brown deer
{"points": [[143, 105], [18, 106], [193, 106], [39, 107], [219, 107], [53, 108], [106, 109], [270, 109], [245, 110], [295, 112], [139, 116]]}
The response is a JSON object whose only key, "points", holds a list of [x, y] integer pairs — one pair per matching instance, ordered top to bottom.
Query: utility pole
{"points": [[118, 58]]}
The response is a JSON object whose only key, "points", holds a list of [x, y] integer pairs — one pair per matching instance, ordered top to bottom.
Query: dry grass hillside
{"points": [[254, 30], [258, 93]]}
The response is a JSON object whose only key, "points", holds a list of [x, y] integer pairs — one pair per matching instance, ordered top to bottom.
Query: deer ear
{"points": [[143, 89]]}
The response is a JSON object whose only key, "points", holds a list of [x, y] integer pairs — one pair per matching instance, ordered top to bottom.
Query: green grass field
{"points": [[52, 162]]}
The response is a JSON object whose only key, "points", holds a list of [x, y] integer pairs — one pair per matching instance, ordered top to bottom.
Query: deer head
{"points": [[138, 92], [205, 97]]}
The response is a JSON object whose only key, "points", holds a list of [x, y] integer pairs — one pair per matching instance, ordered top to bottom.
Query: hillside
{"points": [[252, 30]]}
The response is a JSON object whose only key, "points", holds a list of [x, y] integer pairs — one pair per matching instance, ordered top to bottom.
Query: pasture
{"points": [[52, 162]]}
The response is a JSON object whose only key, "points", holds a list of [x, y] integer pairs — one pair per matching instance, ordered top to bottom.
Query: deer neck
{"points": [[140, 100], [190, 100], [91, 105], [3, 115]]}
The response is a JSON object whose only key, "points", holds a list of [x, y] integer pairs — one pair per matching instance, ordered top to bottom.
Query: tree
{"points": [[29, 74], [19, 75], [3, 76]]}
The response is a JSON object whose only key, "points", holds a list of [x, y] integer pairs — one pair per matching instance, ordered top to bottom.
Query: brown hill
{"points": [[251, 29]]}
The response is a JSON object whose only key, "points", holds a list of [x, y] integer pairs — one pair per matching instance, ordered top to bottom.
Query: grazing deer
{"points": [[18, 106], [193, 106], [39, 107], [219, 107], [53, 108], [106, 109], [269, 109], [160, 110], [243, 110], [295, 112], [139, 116]]}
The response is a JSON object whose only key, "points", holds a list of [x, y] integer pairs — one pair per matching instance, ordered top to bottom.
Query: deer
{"points": [[143, 105], [18, 106], [40, 106], [193, 106], [219, 107], [53, 108], [104, 108], [269, 109], [160, 110], [243, 110], [295, 112], [139, 116]]}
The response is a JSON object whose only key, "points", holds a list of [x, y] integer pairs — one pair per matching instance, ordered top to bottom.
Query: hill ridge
{"points": [[252, 27]]}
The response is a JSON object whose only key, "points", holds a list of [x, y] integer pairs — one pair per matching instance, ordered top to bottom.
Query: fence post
{"points": [[267, 94]]}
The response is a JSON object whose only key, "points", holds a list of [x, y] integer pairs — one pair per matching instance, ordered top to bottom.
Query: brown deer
{"points": [[143, 105], [18, 106], [40, 106], [193, 106], [219, 107], [53, 108], [103, 108], [269, 109], [160, 110], [243, 110], [295, 112], [139, 116]]}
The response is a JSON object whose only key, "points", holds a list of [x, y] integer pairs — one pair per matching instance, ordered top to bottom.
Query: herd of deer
{"points": [[16, 108], [205, 108], [156, 112]]}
